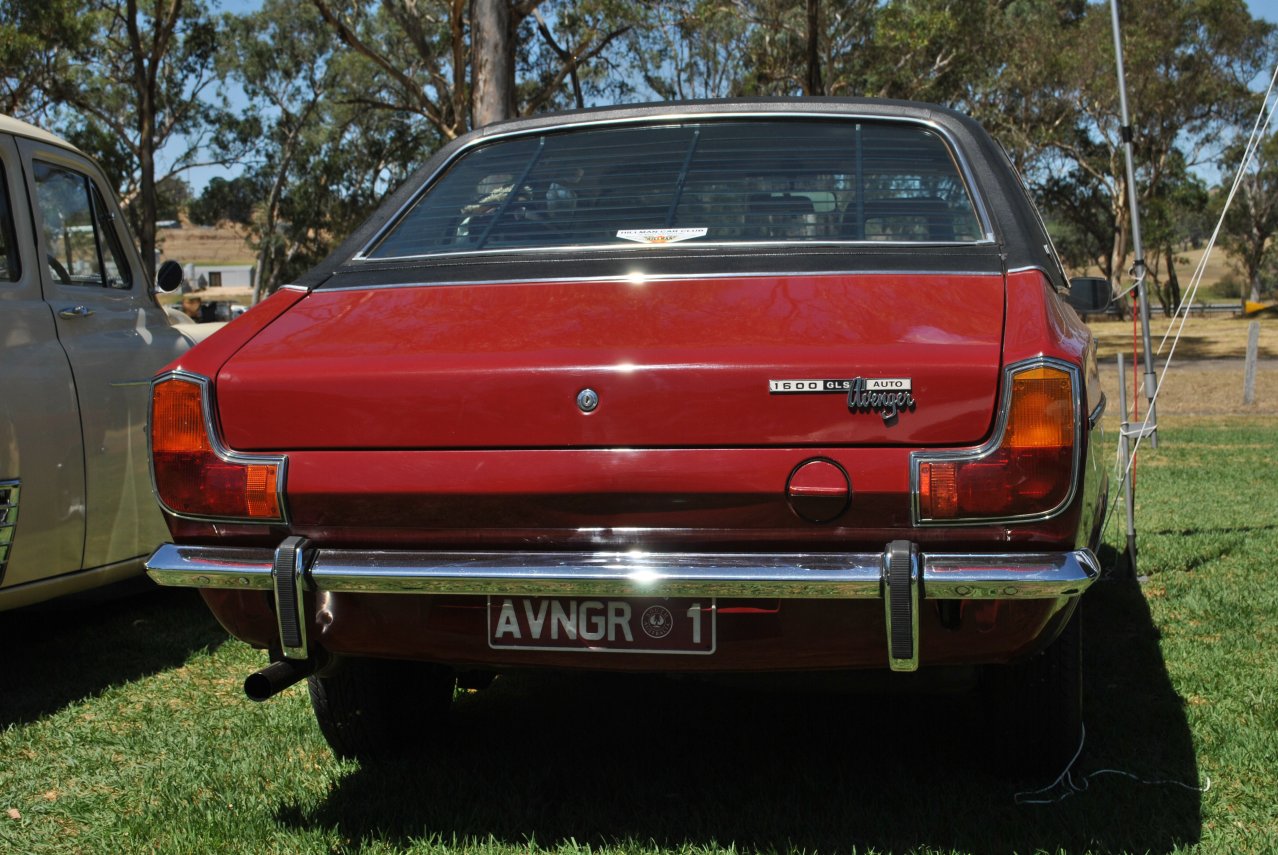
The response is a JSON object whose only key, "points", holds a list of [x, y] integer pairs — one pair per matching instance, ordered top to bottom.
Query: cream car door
{"points": [[116, 337], [41, 462]]}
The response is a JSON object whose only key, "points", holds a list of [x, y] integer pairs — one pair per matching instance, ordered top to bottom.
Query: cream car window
{"points": [[71, 215], [10, 268]]}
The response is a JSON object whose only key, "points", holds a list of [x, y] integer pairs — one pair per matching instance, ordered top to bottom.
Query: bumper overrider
{"points": [[901, 576]]}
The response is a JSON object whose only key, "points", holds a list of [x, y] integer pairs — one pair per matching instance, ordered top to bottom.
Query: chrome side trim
{"points": [[1094, 418], [215, 441], [917, 458], [9, 494], [822, 575]]}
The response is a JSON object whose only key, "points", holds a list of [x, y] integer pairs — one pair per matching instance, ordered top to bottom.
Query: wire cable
{"points": [[1072, 787]]}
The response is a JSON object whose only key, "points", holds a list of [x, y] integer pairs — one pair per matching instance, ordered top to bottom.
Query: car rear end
{"points": [[741, 391]]}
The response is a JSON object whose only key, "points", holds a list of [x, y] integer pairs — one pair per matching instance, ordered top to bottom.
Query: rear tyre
{"points": [[1036, 706], [376, 710]]}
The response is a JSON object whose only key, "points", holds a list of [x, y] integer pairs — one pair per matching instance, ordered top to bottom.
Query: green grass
{"points": [[124, 729]]}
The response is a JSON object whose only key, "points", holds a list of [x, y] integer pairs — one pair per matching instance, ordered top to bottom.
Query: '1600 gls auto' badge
{"points": [[887, 396]]}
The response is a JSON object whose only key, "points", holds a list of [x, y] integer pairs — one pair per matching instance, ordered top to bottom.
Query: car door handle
{"points": [[75, 312]]}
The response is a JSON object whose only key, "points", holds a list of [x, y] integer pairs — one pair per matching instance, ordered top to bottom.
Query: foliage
{"points": [[37, 40], [398, 79], [134, 82], [226, 201], [1252, 219]]}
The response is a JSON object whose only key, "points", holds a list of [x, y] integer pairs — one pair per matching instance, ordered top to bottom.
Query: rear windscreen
{"points": [[713, 182]]}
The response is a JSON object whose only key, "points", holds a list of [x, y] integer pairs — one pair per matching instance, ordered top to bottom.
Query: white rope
{"points": [[1258, 131], [1072, 787]]}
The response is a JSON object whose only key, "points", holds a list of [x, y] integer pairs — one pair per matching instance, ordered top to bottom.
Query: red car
{"points": [[703, 387]]}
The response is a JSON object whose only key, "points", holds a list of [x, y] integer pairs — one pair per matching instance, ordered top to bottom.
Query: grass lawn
{"points": [[123, 729]]}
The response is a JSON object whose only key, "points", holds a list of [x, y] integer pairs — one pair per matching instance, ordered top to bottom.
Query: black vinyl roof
{"points": [[1019, 239]]}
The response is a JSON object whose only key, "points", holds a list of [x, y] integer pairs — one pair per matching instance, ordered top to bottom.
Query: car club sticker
{"points": [[660, 235], [887, 396]]}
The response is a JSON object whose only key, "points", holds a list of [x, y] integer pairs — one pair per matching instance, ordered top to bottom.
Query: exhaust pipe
{"points": [[278, 676]]}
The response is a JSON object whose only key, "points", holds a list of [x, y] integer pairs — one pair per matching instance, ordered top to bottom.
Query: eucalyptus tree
{"points": [[38, 39], [687, 49], [431, 56], [283, 58], [1189, 65], [143, 79], [1251, 223]]}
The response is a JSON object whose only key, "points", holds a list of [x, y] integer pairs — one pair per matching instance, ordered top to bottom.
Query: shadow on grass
{"points": [[60, 652], [647, 762]]}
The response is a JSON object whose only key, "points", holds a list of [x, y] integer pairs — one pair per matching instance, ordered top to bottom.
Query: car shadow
{"points": [[73, 648], [610, 760]]}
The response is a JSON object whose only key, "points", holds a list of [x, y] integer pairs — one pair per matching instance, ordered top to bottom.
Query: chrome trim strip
{"points": [[978, 201], [585, 248], [638, 278], [124, 384], [1005, 392], [1096, 414], [215, 440], [10, 491], [219, 567], [785, 575], [790, 575], [1031, 576]]}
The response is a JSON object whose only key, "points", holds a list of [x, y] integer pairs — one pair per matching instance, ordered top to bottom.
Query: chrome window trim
{"points": [[956, 153], [587, 248], [638, 278], [221, 450], [919, 457]]}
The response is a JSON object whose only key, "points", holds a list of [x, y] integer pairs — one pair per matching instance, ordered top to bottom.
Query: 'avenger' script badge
{"points": [[884, 395]]}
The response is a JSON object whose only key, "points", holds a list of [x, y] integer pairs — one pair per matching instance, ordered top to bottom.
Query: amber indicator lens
{"points": [[177, 417], [1031, 469], [190, 477]]}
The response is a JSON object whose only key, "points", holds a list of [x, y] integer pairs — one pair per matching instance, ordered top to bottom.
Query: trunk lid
{"points": [[707, 362]]}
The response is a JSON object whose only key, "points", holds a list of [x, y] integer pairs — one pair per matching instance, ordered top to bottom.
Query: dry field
{"points": [[225, 244], [1205, 377]]}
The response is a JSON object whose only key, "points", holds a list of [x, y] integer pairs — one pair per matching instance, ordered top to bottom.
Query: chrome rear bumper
{"points": [[900, 575]]}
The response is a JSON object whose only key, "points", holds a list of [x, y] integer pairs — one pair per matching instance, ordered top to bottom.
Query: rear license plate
{"points": [[644, 625]]}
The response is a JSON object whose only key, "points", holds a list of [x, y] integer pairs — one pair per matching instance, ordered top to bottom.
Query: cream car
{"points": [[81, 335]]}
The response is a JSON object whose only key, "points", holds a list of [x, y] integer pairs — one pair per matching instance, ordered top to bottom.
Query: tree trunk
{"points": [[492, 57], [812, 85], [146, 196], [1173, 281]]}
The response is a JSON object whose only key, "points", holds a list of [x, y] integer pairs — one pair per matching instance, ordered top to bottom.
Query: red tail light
{"points": [[1028, 471], [194, 476]]}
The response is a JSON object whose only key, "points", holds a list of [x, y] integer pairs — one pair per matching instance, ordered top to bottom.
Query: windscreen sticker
{"points": [[660, 235]]}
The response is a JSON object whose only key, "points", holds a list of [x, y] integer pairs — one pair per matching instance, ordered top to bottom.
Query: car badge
{"points": [[887, 396]]}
